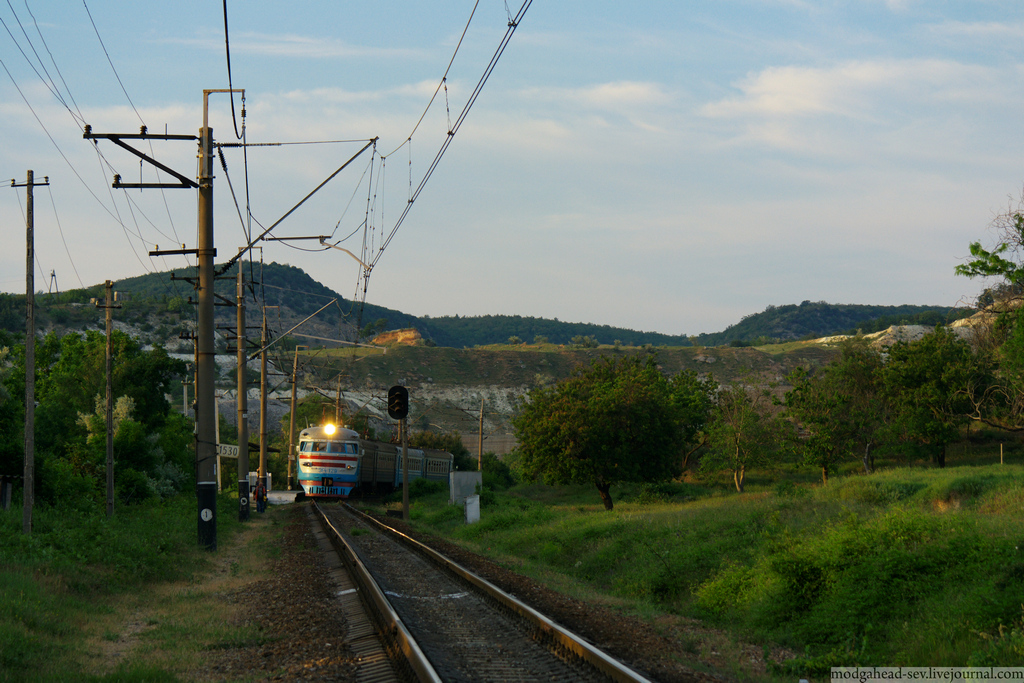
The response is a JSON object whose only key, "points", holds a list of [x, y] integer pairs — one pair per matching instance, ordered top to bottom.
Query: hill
{"points": [[158, 303], [819, 319], [483, 330]]}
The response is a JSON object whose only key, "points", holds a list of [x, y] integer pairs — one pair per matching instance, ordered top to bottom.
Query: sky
{"points": [[666, 166]]}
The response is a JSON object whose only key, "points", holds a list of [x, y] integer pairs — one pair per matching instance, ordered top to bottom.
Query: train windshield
{"points": [[349, 447]]}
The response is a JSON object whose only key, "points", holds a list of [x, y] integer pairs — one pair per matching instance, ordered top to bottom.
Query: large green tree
{"points": [[929, 385], [1001, 404], [839, 408], [611, 422]]}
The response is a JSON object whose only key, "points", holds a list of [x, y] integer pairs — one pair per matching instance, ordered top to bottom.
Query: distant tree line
{"points": [[810, 320], [468, 331]]}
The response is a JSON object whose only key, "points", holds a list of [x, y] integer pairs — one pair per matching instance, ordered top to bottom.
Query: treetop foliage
{"points": [[612, 422]]}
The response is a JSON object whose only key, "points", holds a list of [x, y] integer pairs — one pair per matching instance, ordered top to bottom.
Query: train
{"points": [[335, 462]]}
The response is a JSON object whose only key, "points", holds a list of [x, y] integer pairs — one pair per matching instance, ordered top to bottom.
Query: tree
{"points": [[1009, 227], [583, 342], [70, 378], [930, 384], [693, 400], [839, 407], [609, 423], [743, 432], [448, 441]]}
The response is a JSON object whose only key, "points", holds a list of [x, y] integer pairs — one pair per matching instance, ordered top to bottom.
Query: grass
{"points": [[909, 566], [127, 599]]}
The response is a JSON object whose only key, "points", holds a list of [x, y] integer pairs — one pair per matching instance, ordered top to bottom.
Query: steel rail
{"points": [[548, 629], [398, 639]]}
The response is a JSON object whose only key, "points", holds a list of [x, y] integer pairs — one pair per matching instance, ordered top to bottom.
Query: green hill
{"points": [[160, 300], [819, 319], [483, 330]]}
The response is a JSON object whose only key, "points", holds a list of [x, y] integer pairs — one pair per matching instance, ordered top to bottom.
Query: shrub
{"points": [[497, 475], [134, 486]]}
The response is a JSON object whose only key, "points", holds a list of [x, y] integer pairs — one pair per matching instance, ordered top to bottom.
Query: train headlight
{"points": [[329, 429]]}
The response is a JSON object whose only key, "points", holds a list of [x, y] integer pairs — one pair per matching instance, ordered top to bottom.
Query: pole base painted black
{"points": [[206, 493], [243, 500]]}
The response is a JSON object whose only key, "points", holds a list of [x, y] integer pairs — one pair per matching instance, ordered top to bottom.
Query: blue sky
{"points": [[663, 166]]}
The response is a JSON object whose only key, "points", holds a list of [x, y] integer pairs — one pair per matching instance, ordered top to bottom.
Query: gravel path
{"points": [[306, 642]]}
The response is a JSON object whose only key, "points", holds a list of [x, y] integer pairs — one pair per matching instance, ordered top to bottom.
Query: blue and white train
{"points": [[335, 462]]}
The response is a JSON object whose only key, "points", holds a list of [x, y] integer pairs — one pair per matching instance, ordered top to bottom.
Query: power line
{"points": [[512, 25], [111, 62], [231, 88], [61, 230]]}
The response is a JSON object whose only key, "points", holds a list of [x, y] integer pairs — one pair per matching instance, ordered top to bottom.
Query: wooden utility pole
{"points": [[109, 307], [30, 352], [243, 405], [480, 442]]}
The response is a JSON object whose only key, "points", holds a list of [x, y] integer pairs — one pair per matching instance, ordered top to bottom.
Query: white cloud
{"points": [[980, 29], [296, 46], [852, 89]]}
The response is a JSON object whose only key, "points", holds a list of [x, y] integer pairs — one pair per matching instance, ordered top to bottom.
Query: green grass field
{"points": [[909, 566], [79, 577]]}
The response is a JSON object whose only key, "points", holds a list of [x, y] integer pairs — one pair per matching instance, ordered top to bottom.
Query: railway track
{"points": [[452, 625]]}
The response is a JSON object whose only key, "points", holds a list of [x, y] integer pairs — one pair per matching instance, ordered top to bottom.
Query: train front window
{"points": [[344, 447]]}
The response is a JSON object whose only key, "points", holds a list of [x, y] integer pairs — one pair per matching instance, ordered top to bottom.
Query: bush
{"points": [[497, 475], [134, 486], [419, 488]]}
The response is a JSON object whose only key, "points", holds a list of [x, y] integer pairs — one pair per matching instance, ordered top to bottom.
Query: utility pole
{"points": [[109, 307], [30, 352], [263, 401], [337, 403], [243, 406], [291, 420], [216, 423], [480, 443], [206, 447], [405, 468]]}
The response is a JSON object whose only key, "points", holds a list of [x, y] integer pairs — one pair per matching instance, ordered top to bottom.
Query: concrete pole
{"points": [[110, 399], [263, 401], [337, 404], [243, 405], [291, 419], [216, 421], [480, 442], [206, 447], [405, 469]]}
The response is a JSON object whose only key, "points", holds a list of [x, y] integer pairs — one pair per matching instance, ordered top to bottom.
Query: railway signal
{"points": [[398, 402]]}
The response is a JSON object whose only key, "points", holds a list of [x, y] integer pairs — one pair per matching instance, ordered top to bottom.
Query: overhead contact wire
{"points": [[458, 123]]}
